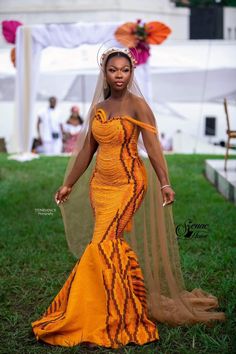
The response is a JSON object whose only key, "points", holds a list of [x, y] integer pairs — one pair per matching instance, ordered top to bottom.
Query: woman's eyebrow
{"points": [[111, 65]]}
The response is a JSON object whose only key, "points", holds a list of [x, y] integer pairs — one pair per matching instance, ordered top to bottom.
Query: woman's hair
{"points": [[117, 54], [107, 91], [81, 121]]}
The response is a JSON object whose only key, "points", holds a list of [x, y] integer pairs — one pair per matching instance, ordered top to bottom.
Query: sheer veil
{"points": [[152, 235]]}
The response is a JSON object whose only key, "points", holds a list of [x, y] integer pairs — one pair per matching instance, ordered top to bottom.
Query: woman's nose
{"points": [[119, 73]]}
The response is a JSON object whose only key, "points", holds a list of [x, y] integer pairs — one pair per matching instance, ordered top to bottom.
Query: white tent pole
{"points": [[27, 64], [203, 95]]}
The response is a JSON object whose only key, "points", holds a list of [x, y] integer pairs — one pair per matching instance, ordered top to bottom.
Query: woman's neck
{"points": [[119, 95]]}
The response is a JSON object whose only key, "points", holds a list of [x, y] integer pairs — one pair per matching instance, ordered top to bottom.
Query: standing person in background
{"points": [[49, 128], [71, 130], [166, 143]]}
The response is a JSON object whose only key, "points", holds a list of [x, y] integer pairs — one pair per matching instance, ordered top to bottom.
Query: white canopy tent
{"points": [[180, 71], [205, 71], [79, 86]]}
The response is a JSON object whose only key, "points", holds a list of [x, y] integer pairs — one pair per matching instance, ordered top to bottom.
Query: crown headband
{"points": [[118, 50]]}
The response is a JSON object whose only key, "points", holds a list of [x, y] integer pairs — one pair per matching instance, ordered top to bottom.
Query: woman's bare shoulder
{"points": [[137, 100], [139, 103], [101, 104]]}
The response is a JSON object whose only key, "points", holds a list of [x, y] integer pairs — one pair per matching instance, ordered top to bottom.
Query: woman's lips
{"points": [[119, 83]]}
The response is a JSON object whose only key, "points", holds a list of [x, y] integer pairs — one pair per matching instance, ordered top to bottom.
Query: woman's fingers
{"points": [[62, 194], [168, 196], [56, 198], [64, 199]]}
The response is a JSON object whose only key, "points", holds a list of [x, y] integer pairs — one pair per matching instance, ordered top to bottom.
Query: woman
{"points": [[71, 130], [105, 300]]}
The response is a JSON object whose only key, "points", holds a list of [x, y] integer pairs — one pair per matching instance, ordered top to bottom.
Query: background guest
{"points": [[49, 127], [71, 129], [166, 143]]}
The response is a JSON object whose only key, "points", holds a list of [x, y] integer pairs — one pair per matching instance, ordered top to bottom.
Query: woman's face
{"points": [[118, 73], [75, 114], [73, 121]]}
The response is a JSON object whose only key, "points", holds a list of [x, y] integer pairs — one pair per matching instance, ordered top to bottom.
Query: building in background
{"points": [[211, 19]]}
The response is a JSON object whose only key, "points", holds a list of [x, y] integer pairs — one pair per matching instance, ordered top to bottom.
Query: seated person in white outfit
{"points": [[49, 127]]}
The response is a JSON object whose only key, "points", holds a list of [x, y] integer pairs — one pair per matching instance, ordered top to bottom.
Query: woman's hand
{"points": [[62, 194], [168, 195]]}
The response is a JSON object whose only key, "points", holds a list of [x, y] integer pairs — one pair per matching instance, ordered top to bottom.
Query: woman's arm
{"points": [[39, 121], [154, 149], [82, 161]]}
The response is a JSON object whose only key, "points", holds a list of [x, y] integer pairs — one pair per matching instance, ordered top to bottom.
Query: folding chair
{"points": [[230, 133]]}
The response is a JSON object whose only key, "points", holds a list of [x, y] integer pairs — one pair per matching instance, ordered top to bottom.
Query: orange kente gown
{"points": [[103, 301]]}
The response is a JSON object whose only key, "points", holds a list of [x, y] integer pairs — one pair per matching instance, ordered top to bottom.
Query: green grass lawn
{"points": [[35, 260]]}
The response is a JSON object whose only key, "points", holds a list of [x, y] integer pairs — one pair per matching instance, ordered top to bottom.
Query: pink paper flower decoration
{"points": [[9, 30], [139, 35]]}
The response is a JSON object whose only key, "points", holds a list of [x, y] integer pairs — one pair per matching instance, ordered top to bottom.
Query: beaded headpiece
{"points": [[118, 50]]}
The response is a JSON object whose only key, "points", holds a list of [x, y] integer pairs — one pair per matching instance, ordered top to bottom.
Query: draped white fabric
{"points": [[30, 41]]}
